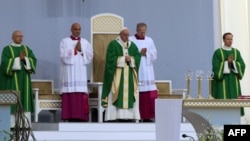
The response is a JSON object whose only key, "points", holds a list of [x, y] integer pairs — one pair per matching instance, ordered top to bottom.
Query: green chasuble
{"points": [[114, 53], [18, 80], [227, 85]]}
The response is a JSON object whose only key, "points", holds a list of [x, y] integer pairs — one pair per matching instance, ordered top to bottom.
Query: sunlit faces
{"points": [[76, 29], [141, 32], [124, 35], [17, 37], [228, 40]]}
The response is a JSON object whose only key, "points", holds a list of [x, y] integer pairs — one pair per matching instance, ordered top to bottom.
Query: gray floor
{"points": [[47, 116], [47, 122], [38, 126]]}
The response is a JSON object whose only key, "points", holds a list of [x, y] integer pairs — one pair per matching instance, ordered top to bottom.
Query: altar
{"points": [[6, 99], [218, 112], [203, 114]]}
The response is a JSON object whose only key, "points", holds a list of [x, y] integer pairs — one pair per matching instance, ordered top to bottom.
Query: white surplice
{"points": [[73, 67], [146, 69]]}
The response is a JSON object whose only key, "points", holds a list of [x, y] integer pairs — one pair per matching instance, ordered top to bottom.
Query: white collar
{"points": [[120, 40], [123, 44], [16, 45], [227, 48]]}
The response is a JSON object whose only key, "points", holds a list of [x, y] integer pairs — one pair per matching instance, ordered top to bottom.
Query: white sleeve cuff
{"points": [[121, 62], [132, 63], [17, 64], [27, 66], [226, 68], [235, 68]]}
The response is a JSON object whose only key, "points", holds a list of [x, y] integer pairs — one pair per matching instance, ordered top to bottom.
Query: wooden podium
{"points": [[6, 99]]}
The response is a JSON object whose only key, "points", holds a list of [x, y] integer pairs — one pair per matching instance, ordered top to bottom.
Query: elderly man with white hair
{"points": [[120, 85]]}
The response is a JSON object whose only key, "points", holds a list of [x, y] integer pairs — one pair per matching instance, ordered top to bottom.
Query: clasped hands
{"points": [[78, 46], [143, 51], [22, 55], [127, 58], [230, 59]]}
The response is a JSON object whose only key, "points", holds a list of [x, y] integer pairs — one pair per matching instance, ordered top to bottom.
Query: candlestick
{"points": [[199, 74], [210, 75], [188, 78]]}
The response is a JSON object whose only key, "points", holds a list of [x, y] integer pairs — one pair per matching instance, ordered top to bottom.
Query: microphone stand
{"points": [[127, 53], [186, 136]]}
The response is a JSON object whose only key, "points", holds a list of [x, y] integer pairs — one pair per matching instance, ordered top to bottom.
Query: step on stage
{"points": [[80, 131]]}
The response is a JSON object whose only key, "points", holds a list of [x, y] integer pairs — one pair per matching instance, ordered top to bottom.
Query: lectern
{"points": [[6, 99], [168, 119]]}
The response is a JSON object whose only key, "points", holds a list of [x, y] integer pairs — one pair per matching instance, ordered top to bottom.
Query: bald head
{"points": [[76, 29], [17, 37]]}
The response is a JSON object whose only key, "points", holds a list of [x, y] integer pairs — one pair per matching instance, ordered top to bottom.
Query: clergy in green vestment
{"points": [[17, 63], [228, 67], [120, 85]]}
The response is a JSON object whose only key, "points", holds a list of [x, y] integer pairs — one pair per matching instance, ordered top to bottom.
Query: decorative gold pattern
{"points": [[107, 24], [100, 44], [45, 86], [163, 87], [170, 96], [8, 97], [50, 97], [236, 103], [51, 105]]}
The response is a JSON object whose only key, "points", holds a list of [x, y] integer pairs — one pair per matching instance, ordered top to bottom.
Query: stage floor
{"points": [[50, 128], [65, 131]]}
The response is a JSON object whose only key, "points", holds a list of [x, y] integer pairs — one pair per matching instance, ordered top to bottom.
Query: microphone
{"points": [[127, 53], [186, 136]]}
